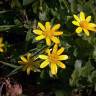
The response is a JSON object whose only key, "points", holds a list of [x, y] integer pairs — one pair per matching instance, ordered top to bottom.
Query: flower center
{"points": [[84, 24], [48, 33], [53, 58], [30, 62]]}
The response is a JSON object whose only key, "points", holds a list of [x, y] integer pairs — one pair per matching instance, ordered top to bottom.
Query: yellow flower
{"points": [[84, 24], [48, 32], [1, 45], [53, 59], [29, 63]]}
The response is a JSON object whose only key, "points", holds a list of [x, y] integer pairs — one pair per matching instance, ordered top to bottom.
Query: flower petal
{"points": [[82, 16], [76, 18], [88, 19], [76, 23], [92, 24], [48, 25], [41, 26], [56, 27], [92, 29], [79, 30], [38, 32], [86, 32], [58, 33], [40, 37], [1, 39], [55, 40], [48, 41], [2, 45], [55, 48], [1, 50], [48, 51], [60, 51], [28, 56], [43, 57], [63, 57], [23, 59], [21, 62], [44, 64], [62, 65], [53, 68], [28, 70]]}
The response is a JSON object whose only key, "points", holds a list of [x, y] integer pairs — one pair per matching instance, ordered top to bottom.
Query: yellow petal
{"points": [[82, 16], [76, 18], [88, 19], [75, 23], [48, 25], [92, 25], [41, 26], [56, 27], [92, 29], [79, 30], [38, 32], [86, 32], [58, 33], [40, 37], [1, 39], [55, 40], [48, 41], [2, 45], [55, 48], [1, 50], [48, 51], [60, 51], [28, 56], [43, 57], [63, 57], [23, 59], [21, 62], [44, 64], [62, 65], [53, 68], [28, 70]]}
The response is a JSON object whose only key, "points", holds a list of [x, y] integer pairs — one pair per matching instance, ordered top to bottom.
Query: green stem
{"points": [[68, 35], [39, 51], [8, 64], [14, 71]]}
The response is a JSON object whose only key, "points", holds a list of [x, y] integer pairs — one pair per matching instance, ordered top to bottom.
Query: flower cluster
{"points": [[50, 34], [54, 58]]}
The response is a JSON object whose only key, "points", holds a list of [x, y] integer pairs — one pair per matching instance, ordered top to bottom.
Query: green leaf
{"points": [[26, 2], [16, 4], [36, 6], [74, 6], [1, 12], [6, 27], [29, 35], [83, 47], [94, 53], [8, 64], [78, 64], [86, 70], [15, 71], [44, 74], [93, 76], [74, 78], [60, 93]]}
